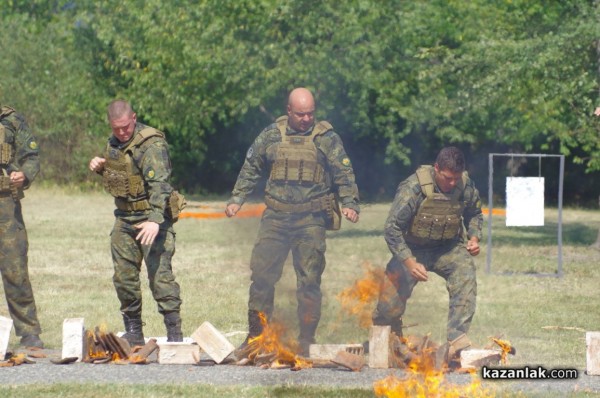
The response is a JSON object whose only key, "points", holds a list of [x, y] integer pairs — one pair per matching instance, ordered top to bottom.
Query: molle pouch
{"points": [[176, 205], [334, 214], [423, 226]]}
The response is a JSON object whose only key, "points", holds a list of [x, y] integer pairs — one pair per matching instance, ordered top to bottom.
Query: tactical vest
{"points": [[6, 148], [7, 153], [296, 160], [124, 180], [440, 215]]}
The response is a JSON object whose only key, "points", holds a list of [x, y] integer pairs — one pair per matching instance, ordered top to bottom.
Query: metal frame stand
{"points": [[559, 271]]}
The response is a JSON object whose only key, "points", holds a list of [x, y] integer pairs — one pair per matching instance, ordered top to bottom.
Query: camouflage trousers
{"points": [[304, 235], [128, 253], [454, 264], [13, 265]]}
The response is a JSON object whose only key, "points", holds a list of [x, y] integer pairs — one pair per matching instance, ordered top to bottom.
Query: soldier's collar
{"points": [[291, 131]]}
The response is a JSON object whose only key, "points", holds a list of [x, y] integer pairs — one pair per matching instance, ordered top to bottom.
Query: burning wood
{"points": [[104, 347], [506, 347], [268, 350], [16, 360], [350, 361], [425, 363]]}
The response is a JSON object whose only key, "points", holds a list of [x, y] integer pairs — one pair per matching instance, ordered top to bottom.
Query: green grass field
{"points": [[543, 317]]}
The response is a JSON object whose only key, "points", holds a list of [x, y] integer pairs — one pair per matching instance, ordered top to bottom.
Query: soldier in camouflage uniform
{"points": [[20, 164], [306, 165], [135, 169], [425, 231]]}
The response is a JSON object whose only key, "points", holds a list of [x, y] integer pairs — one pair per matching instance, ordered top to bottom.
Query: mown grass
{"points": [[71, 271]]}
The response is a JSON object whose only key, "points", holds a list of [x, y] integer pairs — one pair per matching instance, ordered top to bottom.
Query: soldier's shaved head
{"points": [[118, 108], [301, 109], [122, 119]]}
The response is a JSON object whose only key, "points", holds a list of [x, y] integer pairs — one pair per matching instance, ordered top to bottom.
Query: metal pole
{"points": [[560, 204], [490, 207]]}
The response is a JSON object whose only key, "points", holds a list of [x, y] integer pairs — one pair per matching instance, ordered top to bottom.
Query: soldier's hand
{"points": [[597, 111], [97, 164], [17, 178], [232, 209], [350, 214], [148, 232], [473, 246], [417, 270]]}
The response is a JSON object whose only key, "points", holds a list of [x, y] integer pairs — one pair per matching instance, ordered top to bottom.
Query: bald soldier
{"points": [[307, 171]]}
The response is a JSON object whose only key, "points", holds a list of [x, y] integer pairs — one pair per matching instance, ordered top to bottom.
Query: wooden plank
{"points": [[6, 325], [72, 338], [213, 342], [592, 342], [379, 347], [329, 351], [178, 353], [475, 358], [351, 361]]}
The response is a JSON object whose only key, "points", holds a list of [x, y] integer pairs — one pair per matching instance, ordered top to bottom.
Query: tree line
{"points": [[397, 79]]}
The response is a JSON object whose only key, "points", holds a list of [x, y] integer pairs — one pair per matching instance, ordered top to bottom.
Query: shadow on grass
{"points": [[573, 234]]}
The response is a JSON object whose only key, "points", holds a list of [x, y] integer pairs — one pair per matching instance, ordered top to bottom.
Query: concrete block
{"points": [[6, 325], [73, 337], [213, 342], [592, 342], [379, 347], [178, 353]]}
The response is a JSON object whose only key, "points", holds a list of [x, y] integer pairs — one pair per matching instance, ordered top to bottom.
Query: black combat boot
{"points": [[173, 324], [255, 328], [133, 330], [306, 337], [32, 340]]}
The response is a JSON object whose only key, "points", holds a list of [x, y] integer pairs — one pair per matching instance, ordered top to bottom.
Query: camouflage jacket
{"points": [[25, 147], [331, 155], [152, 161], [409, 197]]}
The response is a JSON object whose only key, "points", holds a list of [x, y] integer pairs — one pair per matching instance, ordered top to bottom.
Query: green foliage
{"points": [[397, 79], [46, 82]]}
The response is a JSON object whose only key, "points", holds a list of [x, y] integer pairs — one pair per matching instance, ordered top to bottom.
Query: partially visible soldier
{"points": [[20, 164], [135, 169], [307, 169], [434, 225]]}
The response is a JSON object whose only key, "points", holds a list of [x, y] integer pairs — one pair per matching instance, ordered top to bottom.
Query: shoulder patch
{"points": [[33, 145], [249, 153], [346, 161], [150, 173]]}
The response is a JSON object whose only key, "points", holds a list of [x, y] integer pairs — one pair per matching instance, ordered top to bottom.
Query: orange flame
{"points": [[357, 299], [270, 344], [506, 347], [424, 381]]}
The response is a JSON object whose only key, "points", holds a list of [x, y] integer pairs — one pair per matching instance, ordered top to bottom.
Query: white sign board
{"points": [[524, 201]]}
